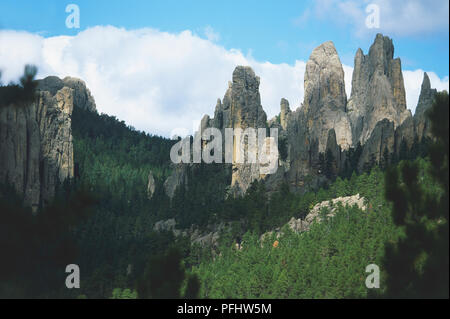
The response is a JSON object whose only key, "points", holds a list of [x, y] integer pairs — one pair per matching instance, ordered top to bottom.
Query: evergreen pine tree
{"points": [[418, 265]]}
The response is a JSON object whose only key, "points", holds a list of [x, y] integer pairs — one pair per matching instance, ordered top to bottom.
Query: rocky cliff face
{"points": [[378, 90], [82, 97], [325, 100], [241, 108], [285, 113], [375, 117], [422, 124], [307, 129], [412, 130], [381, 139], [36, 151], [176, 179]]}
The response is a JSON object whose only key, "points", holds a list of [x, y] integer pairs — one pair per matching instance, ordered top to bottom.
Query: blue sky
{"points": [[270, 30], [280, 32]]}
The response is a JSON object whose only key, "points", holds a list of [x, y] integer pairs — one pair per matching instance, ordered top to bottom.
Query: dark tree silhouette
{"points": [[20, 94], [283, 148], [385, 159], [330, 164], [36, 249], [418, 265], [163, 277], [193, 287]]}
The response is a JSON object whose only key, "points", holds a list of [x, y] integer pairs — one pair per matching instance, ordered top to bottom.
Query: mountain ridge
{"points": [[326, 122]]}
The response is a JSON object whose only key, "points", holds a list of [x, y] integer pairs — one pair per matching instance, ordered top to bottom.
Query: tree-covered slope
{"points": [[113, 162], [328, 261]]}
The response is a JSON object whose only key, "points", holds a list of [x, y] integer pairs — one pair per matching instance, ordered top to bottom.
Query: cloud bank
{"points": [[397, 18], [158, 81]]}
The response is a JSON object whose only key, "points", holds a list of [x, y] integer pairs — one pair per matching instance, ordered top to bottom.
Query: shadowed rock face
{"points": [[378, 90], [427, 94], [325, 100], [284, 113], [405, 132], [383, 136], [36, 150], [176, 179]]}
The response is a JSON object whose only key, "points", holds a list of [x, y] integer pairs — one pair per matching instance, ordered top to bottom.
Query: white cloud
{"points": [[397, 17], [211, 35], [157, 81]]}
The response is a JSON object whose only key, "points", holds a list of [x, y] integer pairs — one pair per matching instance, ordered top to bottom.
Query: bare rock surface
{"points": [[378, 90], [325, 100], [36, 150], [151, 186], [314, 216], [204, 238]]}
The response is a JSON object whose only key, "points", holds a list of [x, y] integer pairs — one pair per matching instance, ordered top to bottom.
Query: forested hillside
{"points": [[113, 161], [127, 259], [328, 261]]}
